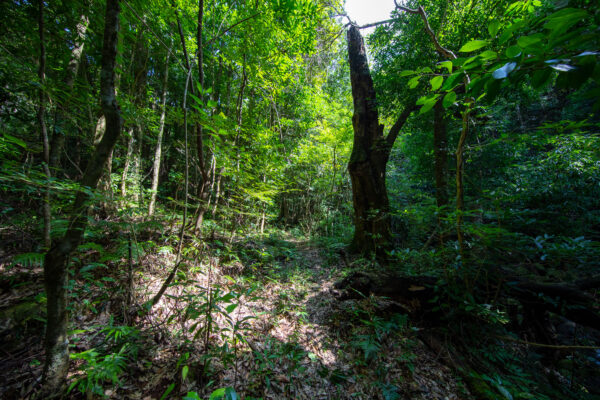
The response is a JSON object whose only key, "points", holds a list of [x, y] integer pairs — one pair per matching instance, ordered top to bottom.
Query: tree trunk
{"points": [[140, 82], [58, 135], [159, 139], [440, 154], [369, 156], [136, 170], [125, 173], [105, 184], [202, 188], [460, 194], [46, 211], [56, 260]]}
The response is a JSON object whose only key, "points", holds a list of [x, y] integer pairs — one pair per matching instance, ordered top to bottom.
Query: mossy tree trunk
{"points": [[370, 154], [57, 259]]}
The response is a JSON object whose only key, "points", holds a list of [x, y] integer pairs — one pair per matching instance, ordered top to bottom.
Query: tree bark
{"points": [[370, 154], [56, 260]]}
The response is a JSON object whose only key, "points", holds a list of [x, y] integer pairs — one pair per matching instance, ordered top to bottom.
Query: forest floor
{"points": [[275, 329]]}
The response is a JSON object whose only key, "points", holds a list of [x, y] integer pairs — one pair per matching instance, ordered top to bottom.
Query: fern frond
{"points": [[28, 260]]}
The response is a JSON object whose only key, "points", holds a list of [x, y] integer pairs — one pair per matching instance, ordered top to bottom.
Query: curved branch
{"points": [[421, 11], [395, 129]]}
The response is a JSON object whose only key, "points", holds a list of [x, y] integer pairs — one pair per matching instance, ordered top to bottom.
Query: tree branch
{"points": [[421, 11], [387, 21], [231, 27], [395, 129]]}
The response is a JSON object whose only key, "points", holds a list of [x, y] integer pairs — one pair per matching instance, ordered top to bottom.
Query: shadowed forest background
{"points": [[254, 199]]}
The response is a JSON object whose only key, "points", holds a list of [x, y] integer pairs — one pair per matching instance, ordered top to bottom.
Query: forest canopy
{"points": [[258, 199]]}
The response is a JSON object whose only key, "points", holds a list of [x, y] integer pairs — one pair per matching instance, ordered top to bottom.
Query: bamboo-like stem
{"points": [[161, 129], [460, 196], [46, 211], [171, 276]]}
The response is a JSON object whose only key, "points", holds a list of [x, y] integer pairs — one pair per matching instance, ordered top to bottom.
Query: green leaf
{"points": [[562, 20], [493, 28], [529, 41], [473, 45], [513, 51], [488, 55], [447, 65], [407, 73], [452, 81], [414, 82], [436, 82], [492, 89], [196, 98], [449, 99], [428, 102], [14, 140], [29, 259], [92, 266], [230, 308], [184, 372], [169, 390], [224, 394]]}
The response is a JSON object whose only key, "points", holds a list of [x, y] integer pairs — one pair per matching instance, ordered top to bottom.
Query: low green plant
{"points": [[98, 370]]}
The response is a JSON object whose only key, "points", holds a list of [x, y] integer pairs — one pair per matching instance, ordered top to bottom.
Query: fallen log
{"points": [[567, 299]]}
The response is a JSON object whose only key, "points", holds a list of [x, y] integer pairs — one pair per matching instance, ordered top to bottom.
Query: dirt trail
{"points": [[296, 339], [320, 351]]}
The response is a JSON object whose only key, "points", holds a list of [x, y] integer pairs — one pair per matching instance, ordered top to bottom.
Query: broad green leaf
{"points": [[564, 19], [493, 28], [531, 40], [473, 45], [513, 51], [488, 55], [447, 65], [407, 73], [541, 77], [452, 81], [414, 82], [436, 82], [492, 89], [449, 99], [427, 102], [426, 107], [230, 308], [184, 372], [224, 394]]}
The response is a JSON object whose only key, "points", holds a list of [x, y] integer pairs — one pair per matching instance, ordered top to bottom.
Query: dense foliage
{"points": [[184, 186]]}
